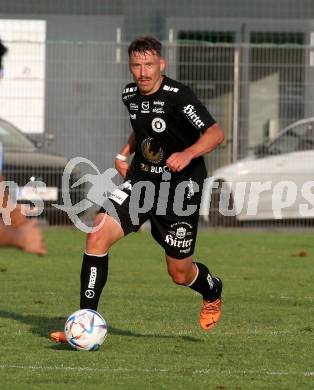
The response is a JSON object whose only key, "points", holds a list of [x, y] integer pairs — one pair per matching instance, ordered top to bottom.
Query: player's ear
{"points": [[162, 64]]}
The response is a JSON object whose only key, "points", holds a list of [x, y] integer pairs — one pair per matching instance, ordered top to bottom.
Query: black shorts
{"points": [[173, 214]]}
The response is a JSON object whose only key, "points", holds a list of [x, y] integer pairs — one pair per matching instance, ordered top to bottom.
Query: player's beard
{"points": [[145, 85], [150, 86]]}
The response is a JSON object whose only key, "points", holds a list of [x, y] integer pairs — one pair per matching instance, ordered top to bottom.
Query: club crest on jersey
{"points": [[158, 125], [152, 151]]}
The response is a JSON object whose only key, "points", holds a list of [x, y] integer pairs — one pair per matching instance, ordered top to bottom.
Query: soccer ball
{"points": [[85, 330]]}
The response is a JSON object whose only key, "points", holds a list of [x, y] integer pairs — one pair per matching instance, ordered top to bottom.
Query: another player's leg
{"points": [[94, 269], [198, 278]]}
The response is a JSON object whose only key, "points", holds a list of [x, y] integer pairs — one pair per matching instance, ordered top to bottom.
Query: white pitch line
{"points": [[65, 368], [152, 370]]}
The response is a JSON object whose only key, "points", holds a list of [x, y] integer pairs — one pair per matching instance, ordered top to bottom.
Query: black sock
{"points": [[94, 274], [205, 284]]}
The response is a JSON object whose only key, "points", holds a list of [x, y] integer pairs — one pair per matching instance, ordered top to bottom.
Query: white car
{"points": [[275, 182]]}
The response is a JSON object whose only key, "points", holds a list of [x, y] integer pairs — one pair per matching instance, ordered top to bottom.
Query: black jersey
{"points": [[165, 122]]}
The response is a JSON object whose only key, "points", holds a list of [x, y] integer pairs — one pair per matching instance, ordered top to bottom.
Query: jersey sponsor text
{"points": [[190, 113]]}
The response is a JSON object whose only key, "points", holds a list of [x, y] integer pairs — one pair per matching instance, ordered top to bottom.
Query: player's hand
{"points": [[178, 161], [122, 167], [17, 217], [30, 238]]}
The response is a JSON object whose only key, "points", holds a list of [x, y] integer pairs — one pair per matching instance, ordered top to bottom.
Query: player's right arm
{"points": [[121, 164]]}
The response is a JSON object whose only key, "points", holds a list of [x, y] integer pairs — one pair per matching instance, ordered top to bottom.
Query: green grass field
{"points": [[264, 340]]}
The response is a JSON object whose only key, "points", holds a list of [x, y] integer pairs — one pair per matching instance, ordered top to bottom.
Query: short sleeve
{"points": [[128, 93], [194, 111]]}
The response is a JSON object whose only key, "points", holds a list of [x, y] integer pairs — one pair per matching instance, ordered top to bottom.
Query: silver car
{"points": [[24, 162], [275, 182]]}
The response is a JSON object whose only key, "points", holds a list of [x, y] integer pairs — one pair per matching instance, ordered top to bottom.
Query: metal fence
{"points": [[71, 93]]}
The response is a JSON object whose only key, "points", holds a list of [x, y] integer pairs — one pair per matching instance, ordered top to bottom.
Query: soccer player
{"points": [[172, 130], [21, 233], [27, 237]]}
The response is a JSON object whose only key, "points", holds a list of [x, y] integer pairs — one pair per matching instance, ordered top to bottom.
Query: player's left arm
{"points": [[192, 110], [208, 141]]}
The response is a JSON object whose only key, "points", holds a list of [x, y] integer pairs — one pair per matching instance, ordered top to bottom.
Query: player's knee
{"points": [[95, 244], [178, 277]]}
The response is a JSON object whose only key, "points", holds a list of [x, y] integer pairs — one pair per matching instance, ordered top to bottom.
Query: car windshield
{"points": [[298, 138], [13, 139], [287, 143]]}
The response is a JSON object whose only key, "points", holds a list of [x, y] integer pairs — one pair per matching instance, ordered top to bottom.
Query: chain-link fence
{"points": [[70, 93]]}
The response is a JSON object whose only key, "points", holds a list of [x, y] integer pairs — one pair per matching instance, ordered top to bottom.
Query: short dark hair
{"points": [[144, 44]]}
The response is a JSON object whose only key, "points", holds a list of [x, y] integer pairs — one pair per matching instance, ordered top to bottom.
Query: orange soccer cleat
{"points": [[211, 311], [210, 314], [58, 337]]}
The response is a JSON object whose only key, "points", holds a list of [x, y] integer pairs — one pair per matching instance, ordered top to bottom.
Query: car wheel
{"points": [[216, 218]]}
